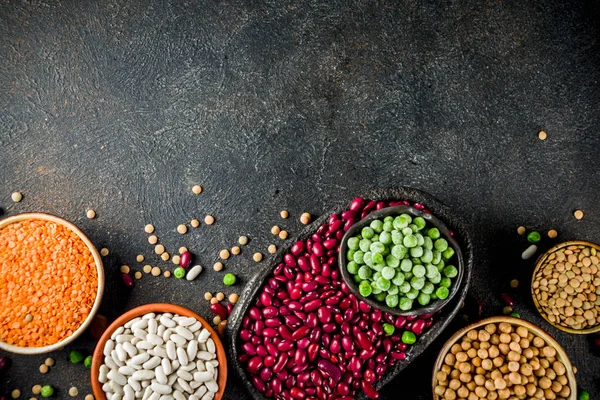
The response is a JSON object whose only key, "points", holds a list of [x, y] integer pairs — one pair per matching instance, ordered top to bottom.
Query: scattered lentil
{"points": [[542, 135], [196, 189], [16, 197], [91, 214], [284, 214], [578, 214], [305, 218], [209, 220], [195, 223], [149, 228], [182, 229], [275, 230], [521, 230], [552, 233], [283, 235], [152, 239], [243, 240], [159, 249], [183, 249], [272, 249], [235, 250], [104, 252], [224, 254], [165, 256], [257, 257], [139, 258], [176, 259], [218, 266], [147, 268], [125, 269], [155, 271], [167, 274], [137, 275], [514, 283], [208, 296], [220, 296], [233, 298], [214, 300], [216, 320], [43, 369], [36, 389], [73, 392], [15, 394], [89, 397]]}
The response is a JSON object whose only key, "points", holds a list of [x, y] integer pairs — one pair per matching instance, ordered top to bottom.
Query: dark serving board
{"points": [[442, 320]]}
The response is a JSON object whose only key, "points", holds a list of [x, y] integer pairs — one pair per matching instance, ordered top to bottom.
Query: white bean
{"points": [[529, 252], [193, 273], [149, 316], [166, 321], [187, 321], [129, 323], [141, 324], [152, 326], [195, 327], [161, 329], [117, 332], [184, 332], [140, 333], [167, 334], [203, 336], [124, 338], [178, 339], [135, 340], [157, 340], [145, 345], [202, 346], [210, 346], [108, 347], [130, 349], [171, 350], [160, 351], [205, 355], [182, 356], [140, 358], [110, 363], [152, 363], [215, 363], [166, 365], [200, 365], [189, 367], [210, 368], [126, 370], [102, 373], [160, 375], [184, 375], [115, 376], [203, 376], [172, 379], [195, 384], [135, 385], [186, 386], [212, 386], [116, 388], [160, 388], [200, 391], [129, 393], [147, 393], [178, 395], [154, 396], [208, 396], [166, 397], [193, 397]]}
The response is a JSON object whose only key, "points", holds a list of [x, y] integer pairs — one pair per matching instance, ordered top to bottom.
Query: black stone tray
{"points": [[251, 289]]}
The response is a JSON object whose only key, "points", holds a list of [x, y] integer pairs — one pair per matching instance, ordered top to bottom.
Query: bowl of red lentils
{"points": [[51, 283], [565, 287], [503, 358]]}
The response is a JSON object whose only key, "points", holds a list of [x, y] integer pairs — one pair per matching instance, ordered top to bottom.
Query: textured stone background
{"points": [[121, 106]]}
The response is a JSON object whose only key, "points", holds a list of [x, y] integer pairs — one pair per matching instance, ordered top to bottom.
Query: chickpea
{"points": [[505, 327], [522, 331], [472, 334], [483, 335], [495, 339], [538, 342], [465, 345], [514, 346], [455, 349], [504, 349], [549, 351], [472, 353], [482, 353], [462, 357], [498, 362], [544, 363], [487, 364], [465, 368], [504, 369], [526, 370], [480, 371], [454, 374], [550, 374], [441, 376], [465, 378], [514, 378], [479, 380], [471, 385], [489, 385], [556, 387], [531, 389], [439, 390], [520, 390], [481, 391], [565, 391], [463, 392], [504, 393], [449, 394], [549, 394], [473, 396], [492, 396]]}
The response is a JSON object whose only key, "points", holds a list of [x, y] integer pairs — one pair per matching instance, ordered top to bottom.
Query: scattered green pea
{"points": [[534, 237], [179, 272], [229, 279], [515, 315], [389, 329], [409, 337], [75, 356], [88, 362], [47, 391], [583, 394]]}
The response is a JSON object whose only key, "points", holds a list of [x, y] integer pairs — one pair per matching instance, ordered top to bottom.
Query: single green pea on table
{"points": [[399, 260]]}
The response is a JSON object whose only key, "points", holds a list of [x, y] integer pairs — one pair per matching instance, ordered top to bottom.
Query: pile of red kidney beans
{"points": [[307, 337]]}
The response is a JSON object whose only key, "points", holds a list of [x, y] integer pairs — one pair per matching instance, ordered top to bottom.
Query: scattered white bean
{"points": [[529, 252], [193, 273], [166, 321], [140, 358], [160, 375], [184, 385]]}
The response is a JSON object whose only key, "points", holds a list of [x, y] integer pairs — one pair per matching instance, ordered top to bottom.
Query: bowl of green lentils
{"points": [[402, 261]]}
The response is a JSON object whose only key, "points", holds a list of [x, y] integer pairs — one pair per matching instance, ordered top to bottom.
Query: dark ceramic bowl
{"points": [[431, 220], [251, 290]]}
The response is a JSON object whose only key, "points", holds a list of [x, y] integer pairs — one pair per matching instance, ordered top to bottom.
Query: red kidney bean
{"points": [[356, 205], [381, 205], [370, 206], [418, 206], [335, 226], [330, 243], [297, 248], [318, 250], [186, 259], [289, 260], [303, 263], [288, 272], [310, 286], [296, 293], [265, 299], [507, 299], [312, 305], [295, 306], [284, 310], [268, 312], [254, 313], [324, 315], [376, 315], [412, 317], [312, 321], [272, 322], [400, 322], [428, 323], [418, 326], [258, 327], [329, 328], [270, 332], [285, 332], [300, 332], [245, 335], [256, 340], [363, 341], [303, 343], [347, 343], [285, 345], [387, 345], [335, 347], [249, 348], [272, 349], [261, 351], [312, 351], [324, 353], [367, 354], [398, 355], [381, 358], [269, 361], [281, 361], [255, 363], [355, 364], [380, 369], [329, 370], [265, 374], [369, 376], [290, 382], [258, 384], [276, 385], [343, 389], [369, 390]]}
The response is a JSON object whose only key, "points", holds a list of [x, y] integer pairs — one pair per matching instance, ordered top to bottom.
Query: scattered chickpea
{"points": [[542, 135], [196, 189], [16, 197], [91, 214], [284, 214], [578, 214], [305, 218], [209, 220], [195, 223], [149, 228], [182, 229], [275, 230], [521, 230], [552, 233], [283, 235], [152, 239], [243, 240], [159, 249], [182, 249], [272, 249], [235, 250], [104, 252], [224, 254], [165, 256], [257, 257], [139, 258], [176, 259], [218, 266], [147, 268], [125, 269], [155, 271], [167, 274], [137, 275], [514, 283], [208, 296], [220, 296], [233, 298], [214, 300], [507, 310], [216, 320], [49, 362], [43, 369], [36, 389], [73, 392], [15, 394], [89, 397]]}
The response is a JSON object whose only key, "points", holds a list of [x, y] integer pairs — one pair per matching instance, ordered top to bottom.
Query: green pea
{"points": [[407, 217], [389, 218], [400, 222], [419, 222], [376, 225], [388, 226], [413, 228], [407, 231], [367, 232], [433, 233], [385, 237], [397, 237], [534, 237], [375, 238], [420, 239], [410, 241], [353, 243], [427, 243], [364, 244], [441, 244], [377, 247], [399, 251], [386, 252], [416, 252], [448, 253], [350, 255], [427, 256], [358, 257], [437, 257], [368, 258], [377, 258], [392, 261], [416, 261], [406, 265], [440, 266], [352, 267], [378, 267], [419, 271], [431, 271], [450, 271], [364, 272], [388, 273], [408, 275], [376, 276], [398, 278], [229, 279], [356, 279], [435, 279], [446, 282], [417, 283], [384, 284], [404, 287], [428, 288], [365, 289], [375, 289], [393, 289], [412, 293], [442, 293], [380, 296], [433, 296], [423, 299], [391, 300], [405, 303], [515, 315], [389, 329], [408, 337], [75, 356], [88, 362], [47, 391], [583, 394]]}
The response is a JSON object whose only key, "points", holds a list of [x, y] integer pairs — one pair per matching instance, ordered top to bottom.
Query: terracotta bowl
{"points": [[539, 264], [99, 292], [560, 353], [98, 357]]}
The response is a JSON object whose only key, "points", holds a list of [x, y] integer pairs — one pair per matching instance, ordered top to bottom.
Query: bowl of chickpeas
{"points": [[503, 358]]}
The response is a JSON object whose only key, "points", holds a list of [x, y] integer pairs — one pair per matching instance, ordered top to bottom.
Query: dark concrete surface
{"points": [[121, 106]]}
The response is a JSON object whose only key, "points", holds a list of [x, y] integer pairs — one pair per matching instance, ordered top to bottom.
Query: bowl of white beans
{"points": [[159, 351]]}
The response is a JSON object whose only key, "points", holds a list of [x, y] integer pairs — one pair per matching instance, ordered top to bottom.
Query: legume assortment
{"points": [[307, 336], [160, 355]]}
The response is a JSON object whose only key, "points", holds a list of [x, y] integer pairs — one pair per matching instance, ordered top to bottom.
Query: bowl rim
{"points": [[397, 210], [538, 265], [99, 292], [98, 355], [562, 355]]}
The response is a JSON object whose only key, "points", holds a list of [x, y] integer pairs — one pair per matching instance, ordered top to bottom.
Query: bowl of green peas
{"points": [[402, 261]]}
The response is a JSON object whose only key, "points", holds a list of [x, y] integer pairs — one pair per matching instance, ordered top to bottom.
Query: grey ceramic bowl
{"points": [[431, 220]]}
